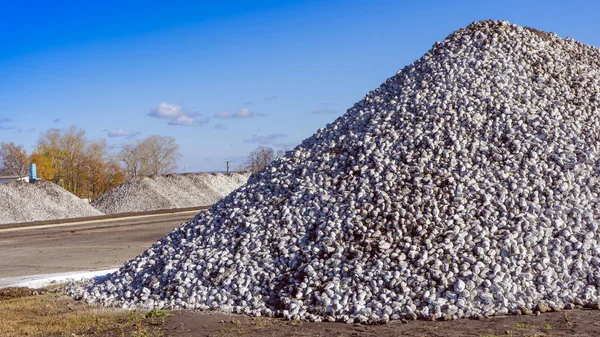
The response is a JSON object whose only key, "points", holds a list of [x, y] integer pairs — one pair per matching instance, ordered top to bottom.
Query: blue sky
{"points": [[222, 77]]}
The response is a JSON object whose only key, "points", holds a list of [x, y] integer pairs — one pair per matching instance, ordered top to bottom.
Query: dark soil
{"points": [[564, 323]]}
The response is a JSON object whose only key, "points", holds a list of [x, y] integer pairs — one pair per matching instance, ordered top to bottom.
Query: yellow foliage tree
{"points": [[44, 165], [82, 167]]}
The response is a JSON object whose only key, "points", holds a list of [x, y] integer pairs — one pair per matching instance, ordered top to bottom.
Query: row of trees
{"points": [[82, 167], [87, 168]]}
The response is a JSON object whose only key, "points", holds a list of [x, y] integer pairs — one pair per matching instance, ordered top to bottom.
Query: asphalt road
{"points": [[82, 245]]}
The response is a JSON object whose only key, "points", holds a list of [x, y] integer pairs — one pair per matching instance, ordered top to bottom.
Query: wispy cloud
{"points": [[271, 98], [248, 103], [322, 111], [243, 113], [3, 120], [56, 120], [183, 120], [188, 121], [220, 127], [26, 130], [122, 133], [272, 139]]}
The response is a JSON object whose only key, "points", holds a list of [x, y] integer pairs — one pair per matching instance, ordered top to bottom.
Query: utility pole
{"points": [[227, 163]]}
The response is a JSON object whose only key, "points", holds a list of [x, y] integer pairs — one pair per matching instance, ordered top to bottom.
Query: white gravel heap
{"points": [[464, 186], [171, 191], [26, 202]]}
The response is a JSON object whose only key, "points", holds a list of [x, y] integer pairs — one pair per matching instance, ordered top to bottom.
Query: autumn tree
{"points": [[66, 150], [154, 155], [48, 156], [13, 159], [44, 165], [83, 167], [100, 171]]}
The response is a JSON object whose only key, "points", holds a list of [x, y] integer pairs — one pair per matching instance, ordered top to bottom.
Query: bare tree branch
{"points": [[154, 155], [13, 159]]}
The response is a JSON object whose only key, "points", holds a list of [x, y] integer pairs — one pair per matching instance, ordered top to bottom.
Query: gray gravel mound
{"points": [[467, 185], [141, 194], [38, 201]]}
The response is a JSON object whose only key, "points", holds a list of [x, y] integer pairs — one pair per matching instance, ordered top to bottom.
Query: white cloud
{"points": [[271, 98], [167, 110], [243, 113], [176, 114], [183, 120], [122, 133]]}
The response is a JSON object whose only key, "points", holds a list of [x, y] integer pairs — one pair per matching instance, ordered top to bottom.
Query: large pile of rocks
{"points": [[464, 186], [141, 194], [42, 200]]}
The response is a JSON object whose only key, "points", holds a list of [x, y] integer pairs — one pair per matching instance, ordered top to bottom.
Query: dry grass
{"points": [[55, 314], [262, 322]]}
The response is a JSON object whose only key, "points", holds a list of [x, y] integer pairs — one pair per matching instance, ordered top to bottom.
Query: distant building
{"points": [[8, 179]]}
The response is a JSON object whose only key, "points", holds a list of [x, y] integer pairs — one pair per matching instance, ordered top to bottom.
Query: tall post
{"points": [[227, 163], [32, 172]]}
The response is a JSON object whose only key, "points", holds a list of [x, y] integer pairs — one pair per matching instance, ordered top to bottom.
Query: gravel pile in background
{"points": [[464, 186], [171, 191], [41, 200]]}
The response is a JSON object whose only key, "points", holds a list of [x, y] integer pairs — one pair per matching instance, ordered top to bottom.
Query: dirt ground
{"points": [[82, 318], [87, 321], [564, 323]]}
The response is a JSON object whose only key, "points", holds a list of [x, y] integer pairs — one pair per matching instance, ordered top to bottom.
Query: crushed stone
{"points": [[464, 186], [141, 194], [42, 200]]}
